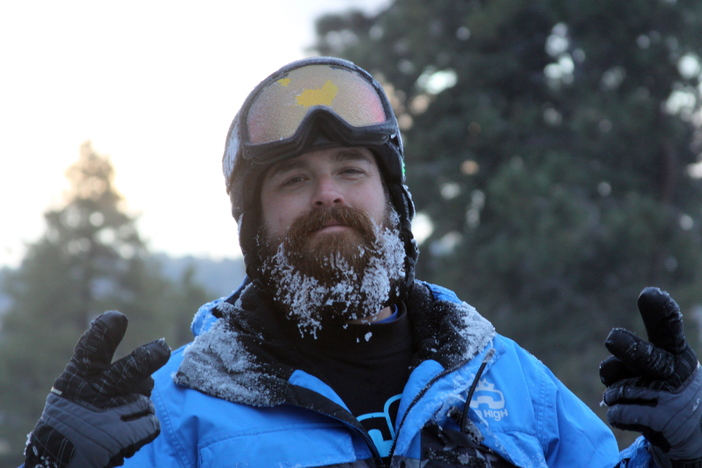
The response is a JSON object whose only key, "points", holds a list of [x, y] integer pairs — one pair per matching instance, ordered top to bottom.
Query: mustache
{"points": [[320, 218]]}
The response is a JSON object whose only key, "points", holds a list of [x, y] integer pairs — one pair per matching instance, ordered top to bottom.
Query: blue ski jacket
{"points": [[232, 398]]}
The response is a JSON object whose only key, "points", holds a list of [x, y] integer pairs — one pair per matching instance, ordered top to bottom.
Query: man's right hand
{"points": [[98, 413]]}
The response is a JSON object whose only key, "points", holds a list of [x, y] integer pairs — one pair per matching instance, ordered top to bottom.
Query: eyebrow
{"points": [[352, 154], [291, 164], [285, 166]]}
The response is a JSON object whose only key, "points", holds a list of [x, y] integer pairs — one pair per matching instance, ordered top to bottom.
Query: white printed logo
{"points": [[488, 400]]}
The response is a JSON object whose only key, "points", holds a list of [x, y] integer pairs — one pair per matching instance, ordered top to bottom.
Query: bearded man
{"points": [[332, 354]]}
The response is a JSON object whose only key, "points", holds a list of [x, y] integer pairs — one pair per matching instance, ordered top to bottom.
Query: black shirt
{"points": [[368, 366]]}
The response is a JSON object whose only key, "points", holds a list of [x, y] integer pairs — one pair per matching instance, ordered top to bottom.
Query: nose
{"points": [[327, 194]]}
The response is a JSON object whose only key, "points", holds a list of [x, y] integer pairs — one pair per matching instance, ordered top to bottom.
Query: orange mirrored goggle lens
{"points": [[280, 108]]}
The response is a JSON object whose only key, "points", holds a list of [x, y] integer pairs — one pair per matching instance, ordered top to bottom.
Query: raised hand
{"points": [[655, 386], [99, 412]]}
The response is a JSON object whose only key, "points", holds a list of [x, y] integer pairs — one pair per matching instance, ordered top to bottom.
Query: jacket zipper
{"points": [[425, 389], [419, 395], [366, 438], [369, 442]]}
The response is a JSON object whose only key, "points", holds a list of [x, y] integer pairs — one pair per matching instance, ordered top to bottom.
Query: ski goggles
{"points": [[285, 113]]}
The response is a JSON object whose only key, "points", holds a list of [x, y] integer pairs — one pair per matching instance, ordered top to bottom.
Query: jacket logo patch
{"points": [[488, 401]]}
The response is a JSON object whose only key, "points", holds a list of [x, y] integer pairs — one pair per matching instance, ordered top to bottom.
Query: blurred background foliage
{"points": [[551, 149], [90, 259]]}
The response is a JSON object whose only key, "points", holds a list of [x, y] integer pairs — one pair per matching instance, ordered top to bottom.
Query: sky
{"points": [[154, 85]]}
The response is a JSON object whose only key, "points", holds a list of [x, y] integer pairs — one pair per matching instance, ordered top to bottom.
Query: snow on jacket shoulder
{"points": [[237, 407]]}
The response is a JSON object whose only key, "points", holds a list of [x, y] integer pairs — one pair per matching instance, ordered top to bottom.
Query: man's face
{"points": [[321, 179], [329, 243]]}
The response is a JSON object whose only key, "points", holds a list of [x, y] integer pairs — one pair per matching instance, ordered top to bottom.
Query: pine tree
{"points": [[550, 143], [90, 259]]}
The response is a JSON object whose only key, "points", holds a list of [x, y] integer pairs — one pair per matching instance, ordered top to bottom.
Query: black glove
{"points": [[655, 387], [98, 413]]}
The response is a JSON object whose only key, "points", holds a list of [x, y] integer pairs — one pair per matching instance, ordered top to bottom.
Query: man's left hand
{"points": [[655, 386]]}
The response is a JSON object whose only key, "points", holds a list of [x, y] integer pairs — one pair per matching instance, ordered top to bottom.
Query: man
{"points": [[331, 353]]}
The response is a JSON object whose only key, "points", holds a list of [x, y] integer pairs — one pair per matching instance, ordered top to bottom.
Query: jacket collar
{"points": [[243, 351]]}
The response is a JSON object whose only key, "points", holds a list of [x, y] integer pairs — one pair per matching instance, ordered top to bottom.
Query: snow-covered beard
{"points": [[337, 277]]}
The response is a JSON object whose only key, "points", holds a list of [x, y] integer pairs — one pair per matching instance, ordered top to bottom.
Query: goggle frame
{"points": [[318, 121]]}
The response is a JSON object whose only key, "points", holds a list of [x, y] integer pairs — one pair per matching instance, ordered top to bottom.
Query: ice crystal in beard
{"points": [[346, 284]]}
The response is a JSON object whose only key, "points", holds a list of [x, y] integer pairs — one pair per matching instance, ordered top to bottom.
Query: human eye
{"points": [[352, 171], [292, 180]]}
